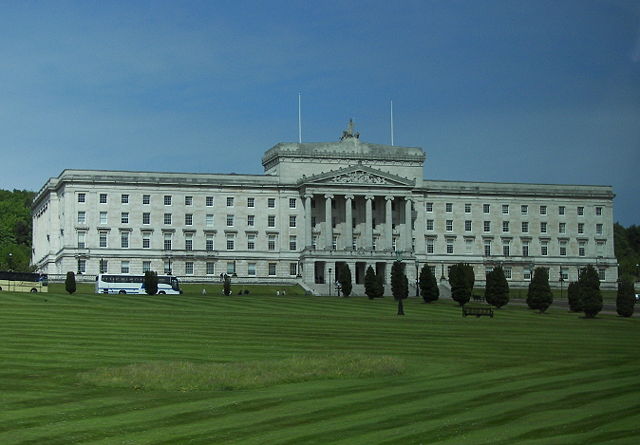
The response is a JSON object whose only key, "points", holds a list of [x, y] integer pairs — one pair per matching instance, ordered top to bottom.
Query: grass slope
{"points": [[520, 377]]}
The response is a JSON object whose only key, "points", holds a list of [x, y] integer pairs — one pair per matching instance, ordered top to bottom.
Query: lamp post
{"points": [[10, 262], [330, 277], [417, 277], [561, 282]]}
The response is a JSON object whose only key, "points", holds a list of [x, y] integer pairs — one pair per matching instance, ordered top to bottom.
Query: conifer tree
{"points": [[345, 280], [70, 282], [150, 282], [370, 283], [461, 283], [399, 285], [428, 285], [496, 291], [589, 292], [539, 296], [573, 297], [626, 298]]}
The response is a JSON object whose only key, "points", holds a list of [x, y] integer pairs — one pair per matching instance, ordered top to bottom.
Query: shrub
{"points": [[345, 279], [461, 280], [70, 282], [150, 282], [373, 285], [399, 285], [428, 285], [226, 286], [496, 290], [589, 292], [539, 296], [573, 297], [626, 298]]}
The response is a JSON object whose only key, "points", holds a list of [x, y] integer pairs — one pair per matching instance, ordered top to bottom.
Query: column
{"points": [[327, 219], [368, 221], [388, 224], [348, 226], [408, 233], [308, 236]]}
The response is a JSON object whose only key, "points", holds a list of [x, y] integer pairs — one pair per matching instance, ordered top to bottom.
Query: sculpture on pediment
{"points": [[350, 133], [359, 177]]}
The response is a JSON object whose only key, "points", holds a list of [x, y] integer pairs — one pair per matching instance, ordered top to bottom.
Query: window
{"points": [[82, 197], [103, 198], [124, 199], [146, 199], [167, 200], [188, 200], [209, 201], [229, 201], [251, 202], [271, 203], [292, 203], [429, 207], [448, 207], [467, 208], [486, 208], [505, 209], [524, 209], [543, 210], [561, 210], [580, 211], [599, 213], [82, 218], [103, 218], [124, 218], [146, 218], [167, 218], [188, 219], [208, 219], [229, 220], [251, 220], [271, 221], [292, 221], [429, 224], [449, 225], [467, 225], [487, 226], [505, 226], [525, 227], [543, 227], [562, 227], [580, 228], [598, 229], [102, 239], [81, 240], [124, 240], [146, 240], [167, 241], [188, 241], [231, 241], [251, 241], [314, 241], [208, 242], [271, 242], [334, 242], [354, 242], [292, 243], [394, 243], [430, 245], [450, 245], [468, 245], [487, 247], [506, 247], [525, 248], [544, 248], [563, 248], [581, 248], [600, 248], [82, 266], [104, 266], [124, 266], [146, 266], [167, 267], [188, 267], [231, 267], [210, 268], [293, 268], [251, 269], [272, 269], [602, 273], [526, 274]]}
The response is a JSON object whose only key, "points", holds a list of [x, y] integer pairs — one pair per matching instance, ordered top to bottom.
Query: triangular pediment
{"points": [[358, 175]]}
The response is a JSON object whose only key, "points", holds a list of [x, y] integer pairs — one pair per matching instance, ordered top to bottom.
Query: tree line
{"points": [[15, 230]]}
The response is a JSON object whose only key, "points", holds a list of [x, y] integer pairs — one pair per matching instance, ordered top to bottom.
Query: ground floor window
{"points": [[124, 267], [210, 267], [188, 268], [293, 268], [251, 269], [272, 269]]}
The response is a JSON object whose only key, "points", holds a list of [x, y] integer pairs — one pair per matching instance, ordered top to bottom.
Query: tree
{"points": [[345, 279], [461, 280], [70, 282], [150, 282], [226, 285], [373, 285], [399, 285], [428, 285], [496, 291], [589, 292], [539, 296], [573, 297], [626, 298]]}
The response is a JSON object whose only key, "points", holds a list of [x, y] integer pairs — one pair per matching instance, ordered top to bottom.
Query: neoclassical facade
{"points": [[316, 206]]}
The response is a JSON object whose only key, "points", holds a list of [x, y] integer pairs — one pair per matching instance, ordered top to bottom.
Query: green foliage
{"points": [[15, 230], [627, 251], [345, 279], [461, 279], [70, 282], [151, 282], [373, 284], [226, 285], [399, 285], [428, 285], [496, 290], [589, 292], [539, 296], [573, 296], [626, 299]]}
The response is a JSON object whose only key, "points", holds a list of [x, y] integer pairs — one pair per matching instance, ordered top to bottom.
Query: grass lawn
{"points": [[517, 378]]}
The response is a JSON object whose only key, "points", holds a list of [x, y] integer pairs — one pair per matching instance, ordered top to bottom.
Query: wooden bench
{"points": [[477, 310]]}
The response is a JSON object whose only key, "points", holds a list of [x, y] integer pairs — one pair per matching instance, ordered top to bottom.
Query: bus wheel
{"points": [[34, 290], [122, 292], [161, 292]]}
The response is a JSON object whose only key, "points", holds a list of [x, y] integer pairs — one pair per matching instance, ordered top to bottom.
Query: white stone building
{"points": [[317, 205]]}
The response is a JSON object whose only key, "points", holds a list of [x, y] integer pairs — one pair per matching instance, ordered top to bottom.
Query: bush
{"points": [[461, 279], [345, 280], [70, 282], [150, 282], [399, 285], [428, 285], [373, 286], [496, 291], [589, 292], [539, 296], [573, 297], [626, 298]]}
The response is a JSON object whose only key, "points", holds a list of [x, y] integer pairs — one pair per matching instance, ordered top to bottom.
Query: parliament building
{"points": [[318, 205]]}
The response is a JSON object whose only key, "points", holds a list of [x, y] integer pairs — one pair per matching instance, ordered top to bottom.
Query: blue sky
{"points": [[508, 91]]}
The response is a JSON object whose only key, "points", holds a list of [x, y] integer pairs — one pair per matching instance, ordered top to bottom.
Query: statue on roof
{"points": [[349, 132]]}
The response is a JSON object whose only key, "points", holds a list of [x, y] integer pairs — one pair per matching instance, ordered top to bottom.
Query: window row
{"points": [[167, 200], [506, 208], [168, 219], [506, 227], [489, 248]]}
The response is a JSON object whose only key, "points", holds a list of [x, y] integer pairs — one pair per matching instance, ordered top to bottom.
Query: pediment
{"points": [[358, 176]]}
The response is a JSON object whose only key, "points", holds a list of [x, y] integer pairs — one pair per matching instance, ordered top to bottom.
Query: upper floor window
{"points": [[82, 197], [103, 198], [124, 199], [146, 199], [167, 200], [188, 200], [209, 201], [229, 201], [251, 202], [271, 203], [292, 203], [429, 207], [448, 207], [467, 208], [486, 208], [505, 209], [524, 209], [543, 210], [561, 210], [580, 211], [598, 211], [82, 218], [124, 218], [167, 218], [188, 219], [271, 221], [292, 221]]}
